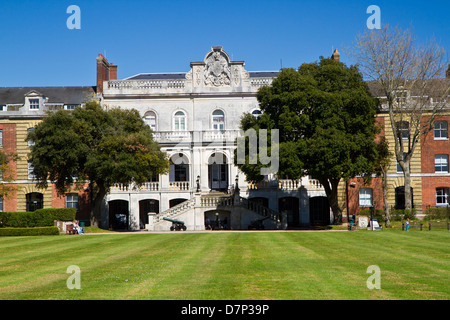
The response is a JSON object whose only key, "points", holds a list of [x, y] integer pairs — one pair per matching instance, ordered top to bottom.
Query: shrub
{"points": [[437, 213], [61, 214], [378, 214], [402, 214], [38, 218], [40, 231]]}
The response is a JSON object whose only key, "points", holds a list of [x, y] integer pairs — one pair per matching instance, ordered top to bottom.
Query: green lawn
{"points": [[228, 265]]}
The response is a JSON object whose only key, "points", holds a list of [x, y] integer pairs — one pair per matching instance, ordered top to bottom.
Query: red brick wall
{"points": [[9, 142], [10, 146], [430, 148], [429, 185], [353, 193], [83, 203]]}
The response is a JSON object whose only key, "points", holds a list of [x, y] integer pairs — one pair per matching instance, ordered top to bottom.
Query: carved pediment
{"points": [[217, 70]]}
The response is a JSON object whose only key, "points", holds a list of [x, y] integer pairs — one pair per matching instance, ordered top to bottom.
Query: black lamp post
{"points": [[198, 183]]}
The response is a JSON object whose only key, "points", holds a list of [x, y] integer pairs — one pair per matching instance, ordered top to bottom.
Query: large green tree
{"points": [[326, 121], [95, 146], [7, 174]]}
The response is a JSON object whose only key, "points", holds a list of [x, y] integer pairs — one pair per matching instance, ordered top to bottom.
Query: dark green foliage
{"points": [[325, 116], [97, 146], [437, 213], [38, 218], [40, 231]]}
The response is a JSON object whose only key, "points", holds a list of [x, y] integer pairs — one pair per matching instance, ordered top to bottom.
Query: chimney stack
{"points": [[336, 55], [102, 72], [112, 72]]}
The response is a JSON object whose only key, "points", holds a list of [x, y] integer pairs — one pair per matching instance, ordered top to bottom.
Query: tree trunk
{"points": [[407, 175], [331, 190], [97, 198], [387, 216]]}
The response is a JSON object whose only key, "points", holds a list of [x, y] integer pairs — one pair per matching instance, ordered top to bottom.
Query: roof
{"points": [[263, 74], [182, 75], [158, 76], [434, 88], [64, 95]]}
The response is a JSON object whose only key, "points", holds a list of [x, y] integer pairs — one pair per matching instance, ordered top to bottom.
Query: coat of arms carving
{"points": [[217, 72]]}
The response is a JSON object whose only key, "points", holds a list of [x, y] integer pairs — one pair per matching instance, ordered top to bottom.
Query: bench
{"points": [[435, 223], [413, 224], [70, 229]]}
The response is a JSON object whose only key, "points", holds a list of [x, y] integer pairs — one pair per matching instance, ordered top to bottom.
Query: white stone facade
{"points": [[196, 117]]}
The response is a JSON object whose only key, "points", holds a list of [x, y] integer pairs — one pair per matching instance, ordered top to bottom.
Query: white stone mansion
{"points": [[196, 117]]}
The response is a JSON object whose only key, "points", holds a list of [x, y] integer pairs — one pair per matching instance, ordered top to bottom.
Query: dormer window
{"points": [[34, 104], [70, 106]]}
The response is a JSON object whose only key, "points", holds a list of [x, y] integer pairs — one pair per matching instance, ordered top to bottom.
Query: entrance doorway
{"points": [[218, 172], [400, 197], [35, 200], [146, 206], [291, 206], [319, 211], [118, 214]]}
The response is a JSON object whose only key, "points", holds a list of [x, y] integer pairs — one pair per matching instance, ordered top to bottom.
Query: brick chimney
{"points": [[335, 55], [102, 72], [112, 72]]}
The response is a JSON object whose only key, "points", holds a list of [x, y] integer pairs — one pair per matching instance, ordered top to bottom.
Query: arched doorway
{"points": [[218, 172], [400, 197], [35, 200], [146, 206], [291, 206], [319, 211], [118, 214]]}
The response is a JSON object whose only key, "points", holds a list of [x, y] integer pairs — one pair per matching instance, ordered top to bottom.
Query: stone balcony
{"points": [[176, 86], [228, 136], [185, 186]]}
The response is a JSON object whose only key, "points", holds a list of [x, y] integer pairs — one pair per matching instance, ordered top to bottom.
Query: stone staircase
{"points": [[193, 210]]}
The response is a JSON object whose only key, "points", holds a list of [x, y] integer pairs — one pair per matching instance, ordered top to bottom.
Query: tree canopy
{"points": [[325, 115], [95, 146], [7, 174]]}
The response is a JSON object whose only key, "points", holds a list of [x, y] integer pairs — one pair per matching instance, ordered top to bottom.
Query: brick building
{"points": [[21, 109], [195, 117], [430, 176]]}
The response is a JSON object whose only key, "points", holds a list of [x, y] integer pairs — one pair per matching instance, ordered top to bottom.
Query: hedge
{"points": [[442, 213], [395, 214], [38, 218], [39, 231]]}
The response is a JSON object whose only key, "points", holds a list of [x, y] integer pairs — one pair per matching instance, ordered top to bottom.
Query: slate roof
{"points": [[182, 75], [63, 95]]}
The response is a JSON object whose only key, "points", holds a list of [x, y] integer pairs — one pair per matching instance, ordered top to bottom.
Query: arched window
{"points": [[256, 113], [150, 120], [218, 120], [179, 121]]}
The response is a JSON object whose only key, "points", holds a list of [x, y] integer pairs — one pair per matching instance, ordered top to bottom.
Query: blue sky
{"points": [[165, 36]]}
